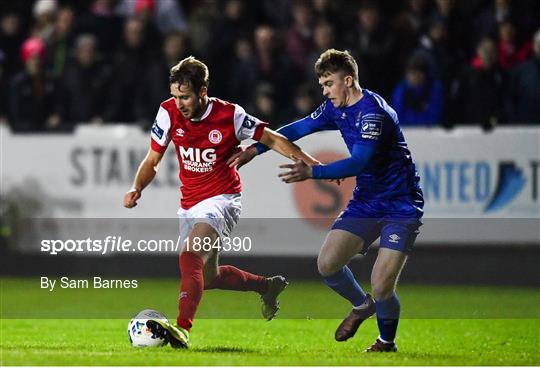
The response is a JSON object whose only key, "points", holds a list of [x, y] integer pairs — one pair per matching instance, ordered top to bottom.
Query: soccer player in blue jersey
{"points": [[387, 201]]}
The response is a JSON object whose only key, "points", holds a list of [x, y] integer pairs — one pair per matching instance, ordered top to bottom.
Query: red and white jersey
{"points": [[203, 146]]}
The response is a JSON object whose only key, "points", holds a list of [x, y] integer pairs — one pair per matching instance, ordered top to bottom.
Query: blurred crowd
{"points": [[438, 62]]}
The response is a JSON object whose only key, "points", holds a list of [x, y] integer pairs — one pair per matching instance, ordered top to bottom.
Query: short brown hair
{"points": [[333, 61], [191, 72]]}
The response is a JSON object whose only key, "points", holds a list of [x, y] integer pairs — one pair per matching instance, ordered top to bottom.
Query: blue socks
{"points": [[344, 283], [388, 310], [388, 317]]}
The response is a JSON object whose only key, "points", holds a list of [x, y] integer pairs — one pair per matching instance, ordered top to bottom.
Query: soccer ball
{"points": [[139, 335]]}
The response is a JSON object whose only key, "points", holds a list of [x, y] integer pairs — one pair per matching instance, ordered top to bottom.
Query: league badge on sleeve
{"points": [[315, 114], [249, 122], [371, 126], [157, 130]]}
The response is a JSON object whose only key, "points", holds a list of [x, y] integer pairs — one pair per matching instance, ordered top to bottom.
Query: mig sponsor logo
{"points": [[198, 160]]}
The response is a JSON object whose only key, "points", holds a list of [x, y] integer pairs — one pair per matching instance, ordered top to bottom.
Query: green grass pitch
{"points": [[441, 325]]}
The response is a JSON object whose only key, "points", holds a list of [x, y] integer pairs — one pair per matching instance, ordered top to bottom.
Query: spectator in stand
{"points": [[145, 11], [275, 12], [334, 12], [523, 13], [44, 14], [166, 15], [413, 19], [101, 21], [487, 22], [202, 23], [456, 23], [233, 25], [409, 25], [300, 35], [324, 38], [11, 39], [61, 42], [274, 42], [433, 45], [373, 47], [511, 51], [131, 61], [445, 61], [272, 65], [243, 72], [87, 73], [155, 83], [3, 91], [524, 91], [478, 95], [33, 98], [419, 98], [303, 104], [265, 106]]}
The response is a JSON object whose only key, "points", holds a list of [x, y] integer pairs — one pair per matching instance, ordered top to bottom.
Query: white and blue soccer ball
{"points": [[139, 334]]}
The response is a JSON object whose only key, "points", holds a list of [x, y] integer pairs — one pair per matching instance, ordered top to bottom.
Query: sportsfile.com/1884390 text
{"points": [[117, 244]]}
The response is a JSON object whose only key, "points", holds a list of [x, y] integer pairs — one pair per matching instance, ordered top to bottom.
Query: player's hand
{"points": [[242, 156], [298, 171], [131, 198]]}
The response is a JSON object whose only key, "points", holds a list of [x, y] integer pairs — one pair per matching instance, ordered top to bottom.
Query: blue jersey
{"points": [[391, 172], [387, 200]]}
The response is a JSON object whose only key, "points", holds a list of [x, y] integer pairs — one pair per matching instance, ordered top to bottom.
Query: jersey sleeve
{"points": [[321, 118], [318, 120], [247, 126], [161, 131], [352, 166]]}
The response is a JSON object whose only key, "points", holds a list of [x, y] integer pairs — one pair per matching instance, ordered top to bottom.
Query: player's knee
{"points": [[326, 267], [382, 288]]}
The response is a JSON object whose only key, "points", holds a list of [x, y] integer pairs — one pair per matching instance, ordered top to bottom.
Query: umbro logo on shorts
{"points": [[394, 238]]}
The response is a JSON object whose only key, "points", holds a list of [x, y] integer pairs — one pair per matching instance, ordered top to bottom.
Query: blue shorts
{"points": [[369, 220]]}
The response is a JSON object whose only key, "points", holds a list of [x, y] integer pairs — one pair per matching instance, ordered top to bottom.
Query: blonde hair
{"points": [[333, 61]]}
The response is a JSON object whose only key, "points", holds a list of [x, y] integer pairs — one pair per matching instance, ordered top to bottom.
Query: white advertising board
{"points": [[467, 175]]}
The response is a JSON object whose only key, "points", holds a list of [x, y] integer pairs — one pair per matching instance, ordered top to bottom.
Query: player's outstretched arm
{"points": [[299, 129], [291, 132], [282, 145], [352, 166], [145, 174]]}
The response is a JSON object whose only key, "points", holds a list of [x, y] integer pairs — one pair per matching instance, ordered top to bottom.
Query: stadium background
{"points": [[81, 81]]}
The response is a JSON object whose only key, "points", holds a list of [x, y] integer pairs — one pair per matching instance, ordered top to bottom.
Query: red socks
{"points": [[232, 278], [192, 285], [191, 288]]}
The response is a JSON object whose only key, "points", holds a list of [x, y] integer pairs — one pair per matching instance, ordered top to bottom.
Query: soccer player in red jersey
{"points": [[205, 132]]}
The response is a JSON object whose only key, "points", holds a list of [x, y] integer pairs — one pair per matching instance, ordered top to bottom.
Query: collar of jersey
{"points": [[207, 112]]}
